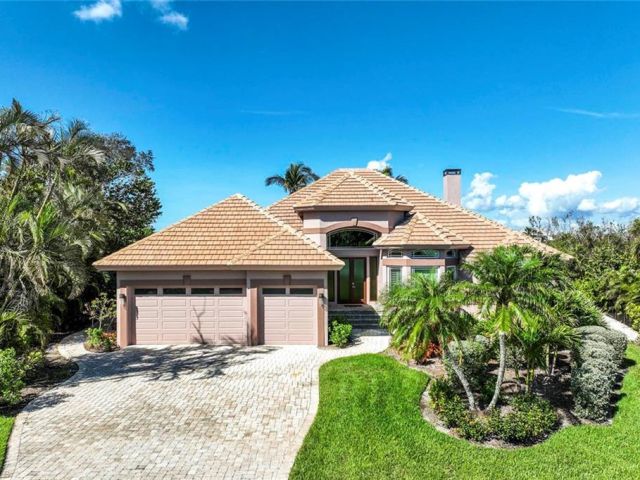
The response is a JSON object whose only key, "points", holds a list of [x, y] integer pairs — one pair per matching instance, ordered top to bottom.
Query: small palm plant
{"points": [[296, 177], [510, 283], [426, 311]]}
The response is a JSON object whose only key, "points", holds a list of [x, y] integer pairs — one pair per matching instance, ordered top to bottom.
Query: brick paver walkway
{"points": [[174, 413]]}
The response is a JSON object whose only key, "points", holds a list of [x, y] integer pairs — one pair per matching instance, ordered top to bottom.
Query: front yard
{"points": [[6, 424], [369, 425]]}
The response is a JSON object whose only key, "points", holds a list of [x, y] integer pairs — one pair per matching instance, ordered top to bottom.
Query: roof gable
{"points": [[231, 234]]}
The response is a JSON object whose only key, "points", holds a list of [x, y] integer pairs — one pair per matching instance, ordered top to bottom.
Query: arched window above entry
{"points": [[351, 238]]}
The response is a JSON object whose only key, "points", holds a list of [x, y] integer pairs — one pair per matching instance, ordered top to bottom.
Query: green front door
{"points": [[351, 281]]}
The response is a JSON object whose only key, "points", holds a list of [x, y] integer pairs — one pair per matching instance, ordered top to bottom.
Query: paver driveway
{"points": [[174, 413]]}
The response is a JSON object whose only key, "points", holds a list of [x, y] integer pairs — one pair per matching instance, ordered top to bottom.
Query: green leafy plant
{"points": [[102, 312], [340, 333], [97, 339], [617, 340], [472, 357], [12, 373], [531, 419]]}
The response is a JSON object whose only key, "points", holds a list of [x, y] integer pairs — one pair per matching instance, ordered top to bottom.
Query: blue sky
{"points": [[539, 104]]}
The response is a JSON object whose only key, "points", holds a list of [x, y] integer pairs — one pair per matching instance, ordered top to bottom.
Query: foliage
{"points": [[388, 171], [297, 176], [67, 196], [606, 265], [512, 287], [427, 311], [102, 312], [633, 313], [340, 333], [99, 340], [617, 340], [472, 357], [594, 372], [12, 373], [531, 419], [6, 425], [369, 425]]}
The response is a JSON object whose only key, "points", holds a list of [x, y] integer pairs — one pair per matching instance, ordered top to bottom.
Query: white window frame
{"points": [[395, 253], [453, 268]]}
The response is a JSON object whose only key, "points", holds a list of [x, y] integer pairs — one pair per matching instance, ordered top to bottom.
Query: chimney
{"points": [[451, 185]]}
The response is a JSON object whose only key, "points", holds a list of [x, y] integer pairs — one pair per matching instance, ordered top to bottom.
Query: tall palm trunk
{"points": [[503, 362], [463, 380]]}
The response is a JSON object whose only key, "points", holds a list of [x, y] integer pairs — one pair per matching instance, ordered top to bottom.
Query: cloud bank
{"points": [[576, 194]]}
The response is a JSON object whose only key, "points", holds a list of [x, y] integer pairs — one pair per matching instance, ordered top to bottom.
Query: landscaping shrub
{"points": [[102, 312], [633, 313], [339, 333], [97, 339], [617, 340], [591, 349], [473, 355], [33, 361], [12, 374], [592, 387], [440, 392], [532, 418]]}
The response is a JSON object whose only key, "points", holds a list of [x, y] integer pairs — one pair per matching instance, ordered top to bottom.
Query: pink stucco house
{"points": [[239, 273]]}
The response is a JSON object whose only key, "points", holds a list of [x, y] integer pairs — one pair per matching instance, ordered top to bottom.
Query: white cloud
{"points": [[109, 9], [100, 11], [169, 16], [176, 19], [595, 114], [381, 164], [481, 195], [559, 195], [555, 197], [621, 206]]}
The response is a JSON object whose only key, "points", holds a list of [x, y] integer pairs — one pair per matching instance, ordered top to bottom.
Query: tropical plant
{"points": [[388, 171], [295, 177], [63, 192], [509, 282], [426, 311]]}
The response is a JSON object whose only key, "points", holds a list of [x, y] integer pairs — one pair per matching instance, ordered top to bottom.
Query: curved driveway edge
{"points": [[174, 412]]}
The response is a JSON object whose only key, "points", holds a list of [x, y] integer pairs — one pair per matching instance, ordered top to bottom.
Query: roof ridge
{"points": [[378, 189], [324, 190], [170, 227], [284, 227]]}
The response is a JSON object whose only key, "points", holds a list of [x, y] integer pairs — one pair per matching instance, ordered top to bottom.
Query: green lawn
{"points": [[6, 423], [369, 426]]}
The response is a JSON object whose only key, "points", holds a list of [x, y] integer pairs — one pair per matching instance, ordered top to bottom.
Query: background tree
{"points": [[388, 171], [297, 176], [67, 196]]}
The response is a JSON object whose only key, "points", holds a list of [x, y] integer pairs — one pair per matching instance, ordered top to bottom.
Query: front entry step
{"points": [[365, 320]]}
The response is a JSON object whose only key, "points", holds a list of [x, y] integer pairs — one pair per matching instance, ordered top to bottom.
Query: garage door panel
{"points": [[190, 319], [289, 319]]}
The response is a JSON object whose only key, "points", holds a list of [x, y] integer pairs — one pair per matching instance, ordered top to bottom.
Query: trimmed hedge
{"points": [[596, 365]]}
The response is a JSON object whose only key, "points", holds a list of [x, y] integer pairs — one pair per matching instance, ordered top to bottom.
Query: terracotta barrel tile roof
{"points": [[230, 234]]}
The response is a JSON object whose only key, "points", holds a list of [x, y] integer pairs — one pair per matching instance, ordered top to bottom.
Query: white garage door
{"points": [[197, 315], [289, 316]]}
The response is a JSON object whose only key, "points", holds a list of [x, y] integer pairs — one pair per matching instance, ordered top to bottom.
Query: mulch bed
{"points": [[555, 389]]}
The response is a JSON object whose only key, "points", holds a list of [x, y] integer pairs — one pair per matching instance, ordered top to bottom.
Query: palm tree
{"points": [[388, 171], [297, 176], [510, 281], [426, 311]]}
